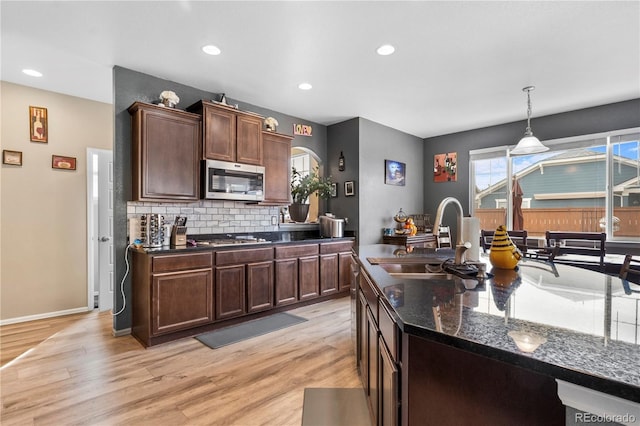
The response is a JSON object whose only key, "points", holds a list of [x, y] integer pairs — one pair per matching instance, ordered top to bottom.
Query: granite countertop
{"points": [[271, 238], [589, 319]]}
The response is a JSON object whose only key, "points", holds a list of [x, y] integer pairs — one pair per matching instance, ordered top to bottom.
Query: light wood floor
{"points": [[82, 375]]}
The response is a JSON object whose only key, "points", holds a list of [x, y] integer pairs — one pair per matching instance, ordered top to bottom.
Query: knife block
{"points": [[179, 236]]}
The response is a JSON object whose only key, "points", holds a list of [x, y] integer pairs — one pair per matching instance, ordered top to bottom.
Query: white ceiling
{"points": [[457, 66]]}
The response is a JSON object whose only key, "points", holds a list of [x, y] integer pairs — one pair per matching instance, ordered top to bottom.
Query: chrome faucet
{"points": [[461, 247]]}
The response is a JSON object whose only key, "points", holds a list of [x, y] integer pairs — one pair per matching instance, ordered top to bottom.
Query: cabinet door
{"points": [[219, 134], [249, 140], [165, 154], [277, 164], [344, 271], [328, 273], [309, 277], [286, 281], [259, 286], [230, 291], [181, 300], [372, 341], [363, 345], [388, 387]]}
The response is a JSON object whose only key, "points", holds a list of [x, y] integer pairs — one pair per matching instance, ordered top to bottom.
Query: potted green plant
{"points": [[301, 189]]}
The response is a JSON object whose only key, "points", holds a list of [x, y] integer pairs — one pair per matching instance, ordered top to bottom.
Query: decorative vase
{"points": [[299, 212], [504, 254]]}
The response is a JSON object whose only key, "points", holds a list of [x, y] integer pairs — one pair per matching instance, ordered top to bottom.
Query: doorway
{"points": [[100, 229]]}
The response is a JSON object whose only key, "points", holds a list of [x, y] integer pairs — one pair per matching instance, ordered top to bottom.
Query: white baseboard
{"points": [[43, 316]]}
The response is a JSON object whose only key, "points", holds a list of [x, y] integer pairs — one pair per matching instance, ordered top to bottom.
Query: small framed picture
{"points": [[38, 127], [13, 158], [61, 162], [445, 167], [394, 172], [349, 189], [334, 190]]}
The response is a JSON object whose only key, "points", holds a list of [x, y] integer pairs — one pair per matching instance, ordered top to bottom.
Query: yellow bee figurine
{"points": [[504, 254]]}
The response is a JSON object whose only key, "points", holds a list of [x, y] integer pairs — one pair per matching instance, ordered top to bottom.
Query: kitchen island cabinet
{"points": [[165, 156], [179, 292], [444, 351]]}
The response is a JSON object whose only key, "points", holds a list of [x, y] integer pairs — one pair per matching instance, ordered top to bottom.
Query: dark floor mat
{"points": [[236, 333]]}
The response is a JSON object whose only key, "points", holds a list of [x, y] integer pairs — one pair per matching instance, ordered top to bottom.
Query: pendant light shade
{"points": [[529, 144]]}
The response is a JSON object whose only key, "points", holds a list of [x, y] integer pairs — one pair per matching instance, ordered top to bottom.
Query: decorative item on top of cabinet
{"points": [[169, 99], [270, 124], [229, 134], [165, 145], [277, 159]]}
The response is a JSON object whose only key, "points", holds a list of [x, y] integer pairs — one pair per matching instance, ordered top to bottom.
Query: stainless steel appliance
{"points": [[223, 180], [331, 227]]}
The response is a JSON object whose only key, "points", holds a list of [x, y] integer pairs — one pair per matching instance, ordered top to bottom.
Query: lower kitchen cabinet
{"points": [[309, 277], [259, 286], [230, 291], [181, 293], [181, 300], [377, 346]]}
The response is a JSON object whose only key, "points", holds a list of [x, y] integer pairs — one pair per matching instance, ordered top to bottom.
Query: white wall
{"points": [[43, 254]]}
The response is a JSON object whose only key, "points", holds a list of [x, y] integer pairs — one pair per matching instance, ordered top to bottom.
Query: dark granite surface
{"points": [[278, 238], [588, 319]]}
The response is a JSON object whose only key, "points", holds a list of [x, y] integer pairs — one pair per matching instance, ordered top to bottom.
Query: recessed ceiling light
{"points": [[210, 49], [386, 49], [32, 73], [304, 86]]}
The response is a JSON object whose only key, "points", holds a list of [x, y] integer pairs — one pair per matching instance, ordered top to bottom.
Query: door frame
{"points": [[91, 228]]}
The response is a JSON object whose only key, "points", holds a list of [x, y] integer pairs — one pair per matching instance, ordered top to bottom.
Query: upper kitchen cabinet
{"points": [[229, 134], [165, 153], [277, 162]]}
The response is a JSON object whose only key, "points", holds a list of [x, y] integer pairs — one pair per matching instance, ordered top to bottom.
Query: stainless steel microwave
{"points": [[223, 180]]}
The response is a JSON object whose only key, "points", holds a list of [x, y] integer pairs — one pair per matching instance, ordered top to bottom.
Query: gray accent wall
{"points": [[616, 116], [375, 203]]}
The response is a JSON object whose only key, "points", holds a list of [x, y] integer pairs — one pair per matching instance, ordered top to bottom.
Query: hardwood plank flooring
{"points": [[82, 375]]}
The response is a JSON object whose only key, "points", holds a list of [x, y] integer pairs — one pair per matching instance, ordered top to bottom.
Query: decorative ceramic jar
{"points": [[504, 254]]}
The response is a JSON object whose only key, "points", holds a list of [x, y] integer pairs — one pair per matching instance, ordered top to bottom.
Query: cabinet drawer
{"points": [[338, 247], [296, 251], [232, 257], [181, 262], [389, 330]]}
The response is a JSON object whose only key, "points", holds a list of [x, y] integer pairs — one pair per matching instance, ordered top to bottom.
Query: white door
{"points": [[100, 229]]}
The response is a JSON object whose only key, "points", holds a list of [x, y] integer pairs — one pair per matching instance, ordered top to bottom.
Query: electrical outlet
{"points": [[274, 220]]}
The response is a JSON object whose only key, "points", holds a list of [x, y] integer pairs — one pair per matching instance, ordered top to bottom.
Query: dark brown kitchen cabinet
{"points": [[229, 134], [165, 147], [277, 164], [309, 267], [344, 270], [297, 273], [328, 273], [244, 282], [259, 286], [286, 288], [230, 291], [171, 293], [372, 365], [388, 391]]}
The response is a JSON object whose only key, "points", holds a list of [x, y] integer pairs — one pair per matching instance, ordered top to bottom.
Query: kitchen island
{"points": [[437, 349]]}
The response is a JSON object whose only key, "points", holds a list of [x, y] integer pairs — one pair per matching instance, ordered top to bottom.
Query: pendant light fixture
{"points": [[529, 144]]}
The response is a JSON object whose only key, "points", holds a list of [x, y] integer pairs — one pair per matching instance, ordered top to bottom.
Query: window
{"points": [[582, 184]]}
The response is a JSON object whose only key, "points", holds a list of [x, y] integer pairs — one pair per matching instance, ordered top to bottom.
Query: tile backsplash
{"points": [[212, 216]]}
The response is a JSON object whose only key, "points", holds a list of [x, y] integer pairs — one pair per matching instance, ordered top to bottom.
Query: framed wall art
{"points": [[38, 125], [13, 158], [62, 162], [445, 167], [394, 173], [349, 189], [334, 190]]}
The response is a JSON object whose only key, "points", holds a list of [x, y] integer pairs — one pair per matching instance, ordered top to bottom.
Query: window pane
{"points": [[626, 190], [490, 192]]}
